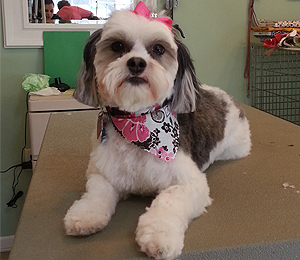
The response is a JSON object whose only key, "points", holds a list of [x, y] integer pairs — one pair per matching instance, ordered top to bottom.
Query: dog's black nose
{"points": [[136, 65]]}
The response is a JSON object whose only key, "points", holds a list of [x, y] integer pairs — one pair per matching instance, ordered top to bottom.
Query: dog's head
{"points": [[135, 63]]}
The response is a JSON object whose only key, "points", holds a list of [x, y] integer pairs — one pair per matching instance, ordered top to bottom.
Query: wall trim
{"points": [[19, 33], [6, 243]]}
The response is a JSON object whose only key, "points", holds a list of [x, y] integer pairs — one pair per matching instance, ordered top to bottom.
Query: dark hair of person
{"points": [[47, 2], [62, 3]]}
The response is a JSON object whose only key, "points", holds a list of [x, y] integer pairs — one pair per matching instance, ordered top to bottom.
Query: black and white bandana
{"points": [[155, 130]]}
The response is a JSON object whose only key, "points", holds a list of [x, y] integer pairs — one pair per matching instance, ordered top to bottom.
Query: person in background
{"points": [[49, 5], [68, 12], [50, 16]]}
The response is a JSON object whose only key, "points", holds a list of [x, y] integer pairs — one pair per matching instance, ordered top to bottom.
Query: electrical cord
{"points": [[16, 166], [11, 167], [16, 196]]}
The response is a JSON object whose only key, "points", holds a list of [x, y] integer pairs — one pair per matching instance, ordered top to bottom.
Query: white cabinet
{"points": [[40, 109]]}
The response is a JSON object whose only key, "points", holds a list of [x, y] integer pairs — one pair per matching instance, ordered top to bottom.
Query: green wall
{"points": [[215, 34], [217, 41], [14, 64]]}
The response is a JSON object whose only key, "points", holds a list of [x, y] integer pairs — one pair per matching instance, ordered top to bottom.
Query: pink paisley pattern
{"points": [[132, 129], [154, 130]]}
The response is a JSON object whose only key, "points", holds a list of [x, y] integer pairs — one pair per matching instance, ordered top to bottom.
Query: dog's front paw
{"points": [[84, 219], [161, 238]]}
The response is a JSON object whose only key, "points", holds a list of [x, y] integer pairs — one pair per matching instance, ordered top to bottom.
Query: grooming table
{"points": [[253, 216]]}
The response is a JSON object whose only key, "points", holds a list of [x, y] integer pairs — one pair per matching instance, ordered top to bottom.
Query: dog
{"points": [[158, 130]]}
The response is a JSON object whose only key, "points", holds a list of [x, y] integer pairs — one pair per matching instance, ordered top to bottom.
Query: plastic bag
{"points": [[35, 82]]}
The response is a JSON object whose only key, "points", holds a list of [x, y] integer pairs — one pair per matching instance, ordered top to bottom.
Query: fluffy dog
{"points": [[161, 130]]}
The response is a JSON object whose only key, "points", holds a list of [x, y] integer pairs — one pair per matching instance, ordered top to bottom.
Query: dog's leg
{"points": [[94, 210], [160, 231]]}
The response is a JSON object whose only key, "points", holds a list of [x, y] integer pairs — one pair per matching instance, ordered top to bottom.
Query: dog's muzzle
{"points": [[136, 65]]}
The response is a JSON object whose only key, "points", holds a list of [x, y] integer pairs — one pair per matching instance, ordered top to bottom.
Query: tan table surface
{"points": [[252, 215]]}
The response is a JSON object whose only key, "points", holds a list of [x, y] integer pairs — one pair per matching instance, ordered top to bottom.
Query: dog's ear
{"points": [[186, 85], [86, 90]]}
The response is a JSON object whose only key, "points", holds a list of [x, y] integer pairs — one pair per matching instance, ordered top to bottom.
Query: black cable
{"points": [[25, 131], [17, 165], [16, 196], [12, 202]]}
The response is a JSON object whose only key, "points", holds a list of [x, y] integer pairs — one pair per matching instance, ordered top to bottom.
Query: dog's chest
{"points": [[129, 168]]}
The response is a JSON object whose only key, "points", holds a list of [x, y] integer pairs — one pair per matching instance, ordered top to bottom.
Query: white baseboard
{"points": [[6, 243]]}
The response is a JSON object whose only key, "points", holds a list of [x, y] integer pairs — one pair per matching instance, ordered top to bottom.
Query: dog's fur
{"points": [[212, 127]]}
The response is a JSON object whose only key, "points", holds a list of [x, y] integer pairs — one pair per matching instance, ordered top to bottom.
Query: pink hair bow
{"points": [[142, 9]]}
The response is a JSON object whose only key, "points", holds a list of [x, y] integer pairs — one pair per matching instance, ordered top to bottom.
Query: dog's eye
{"points": [[117, 46], [158, 49]]}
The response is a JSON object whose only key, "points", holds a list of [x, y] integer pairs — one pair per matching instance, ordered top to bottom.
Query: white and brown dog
{"points": [[163, 130]]}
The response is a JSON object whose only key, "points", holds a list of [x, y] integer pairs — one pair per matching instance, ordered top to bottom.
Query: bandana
{"points": [[155, 130]]}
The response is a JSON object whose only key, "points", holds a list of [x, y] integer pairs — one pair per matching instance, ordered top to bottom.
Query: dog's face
{"points": [[135, 63]]}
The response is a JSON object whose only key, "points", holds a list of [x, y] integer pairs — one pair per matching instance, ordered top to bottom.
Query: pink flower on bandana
{"points": [[132, 128], [161, 153], [169, 157]]}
